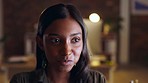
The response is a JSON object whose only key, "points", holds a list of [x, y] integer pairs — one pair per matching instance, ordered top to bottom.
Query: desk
{"points": [[17, 67], [3, 75]]}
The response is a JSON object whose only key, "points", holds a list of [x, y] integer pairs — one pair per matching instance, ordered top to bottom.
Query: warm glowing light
{"points": [[94, 17], [106, 29], [95, 63]]}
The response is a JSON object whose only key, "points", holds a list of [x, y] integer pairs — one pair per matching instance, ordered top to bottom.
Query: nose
{"points": [[67, 49]]}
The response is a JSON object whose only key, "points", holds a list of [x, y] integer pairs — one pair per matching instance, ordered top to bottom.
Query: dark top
{"points": [[39, 76]]}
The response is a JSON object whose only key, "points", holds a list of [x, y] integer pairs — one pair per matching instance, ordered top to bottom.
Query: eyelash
{"points": [[75, 40], [57, 41]]}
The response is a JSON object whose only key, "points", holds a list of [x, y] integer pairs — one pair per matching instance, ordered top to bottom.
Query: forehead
{"points": [[63, 26]]}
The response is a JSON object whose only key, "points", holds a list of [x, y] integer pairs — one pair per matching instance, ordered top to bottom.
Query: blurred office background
{"points": [[117, 43]]}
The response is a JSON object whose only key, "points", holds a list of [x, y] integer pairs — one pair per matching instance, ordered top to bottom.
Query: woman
{"points": [[62, 55]]}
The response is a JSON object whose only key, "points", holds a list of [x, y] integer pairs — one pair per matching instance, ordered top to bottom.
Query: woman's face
{"points": [[62, 43]]}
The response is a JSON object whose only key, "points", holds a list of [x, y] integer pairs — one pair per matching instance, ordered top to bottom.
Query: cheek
{"points": [[49, 49], [50, 52], [78, 53], [51, 55]]}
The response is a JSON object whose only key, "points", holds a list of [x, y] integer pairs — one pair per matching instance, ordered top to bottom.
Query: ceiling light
{"points": [[94, 17]]}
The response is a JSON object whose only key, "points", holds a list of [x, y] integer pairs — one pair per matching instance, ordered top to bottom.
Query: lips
{"points": [[68, 62]]}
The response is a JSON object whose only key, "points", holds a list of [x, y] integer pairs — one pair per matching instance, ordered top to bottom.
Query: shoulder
{"points": [[95, 73], [96, 76], [19, 77], [25, 77]]}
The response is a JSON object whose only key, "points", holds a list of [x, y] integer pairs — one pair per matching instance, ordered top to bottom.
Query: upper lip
{"points": [[65, 60], [68, 60]]}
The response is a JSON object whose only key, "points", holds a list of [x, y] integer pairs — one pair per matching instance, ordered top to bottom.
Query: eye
{"points": [[75, 39], [55, 41]]}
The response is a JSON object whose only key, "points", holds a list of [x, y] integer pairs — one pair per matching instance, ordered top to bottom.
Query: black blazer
{"points": [[39, 76]]}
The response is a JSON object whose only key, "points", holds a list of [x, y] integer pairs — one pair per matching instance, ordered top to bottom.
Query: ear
{"points": [[39, 42]]}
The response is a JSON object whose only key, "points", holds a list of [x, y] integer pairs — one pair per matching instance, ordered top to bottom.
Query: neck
{"points": [[57, 76]]}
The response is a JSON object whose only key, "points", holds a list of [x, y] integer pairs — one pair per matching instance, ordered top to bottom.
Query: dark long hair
{"points": [[61, 11]]}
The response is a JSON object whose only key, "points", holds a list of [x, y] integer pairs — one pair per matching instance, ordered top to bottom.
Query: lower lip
{"points": [[68, 63]]}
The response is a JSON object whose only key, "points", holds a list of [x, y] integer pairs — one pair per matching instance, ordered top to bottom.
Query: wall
{"points": [[20, 17], [1, 18], [1, 25], [1, 32], [124, 33], [139, 35], [94, 36], [139, 39], [133, 44]]}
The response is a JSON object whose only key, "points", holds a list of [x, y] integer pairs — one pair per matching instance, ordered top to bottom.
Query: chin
{"points": [[67, 69]]}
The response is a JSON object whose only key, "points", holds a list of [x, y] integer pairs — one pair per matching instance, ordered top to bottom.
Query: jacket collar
{"points": [[41, 76]]}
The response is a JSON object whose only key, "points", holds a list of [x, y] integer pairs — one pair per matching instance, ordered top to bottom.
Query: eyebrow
{"points": [[54, 34], [75, 34]]}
